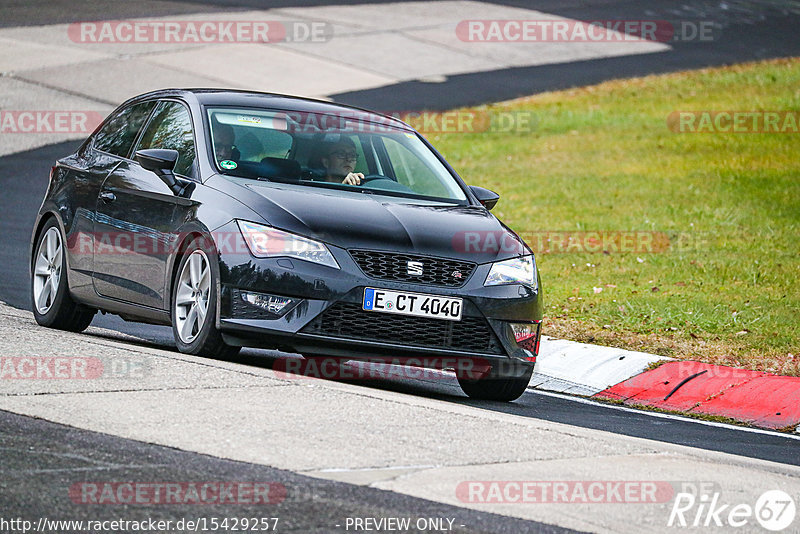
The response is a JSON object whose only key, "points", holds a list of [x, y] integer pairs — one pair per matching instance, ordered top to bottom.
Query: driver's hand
{"points": [[354, 178]]}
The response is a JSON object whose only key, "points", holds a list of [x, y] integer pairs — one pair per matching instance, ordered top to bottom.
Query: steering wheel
{"points": [[371, 177]]}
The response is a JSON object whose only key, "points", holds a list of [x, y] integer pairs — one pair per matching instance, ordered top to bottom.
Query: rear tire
{"points": [[52, 304], [194, 307], [500, 384]]}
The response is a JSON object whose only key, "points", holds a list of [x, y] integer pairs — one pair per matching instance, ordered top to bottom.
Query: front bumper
{"points": [[326, 316]]}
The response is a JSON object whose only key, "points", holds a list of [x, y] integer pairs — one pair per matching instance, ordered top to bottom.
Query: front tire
{"points": [[52, 304], [194, 306], [500, 384]]}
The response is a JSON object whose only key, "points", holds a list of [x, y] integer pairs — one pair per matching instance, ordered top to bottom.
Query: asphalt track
{"points": [[745, 31], [748, 31], [23, 178], [20, 201], [42, 460]]}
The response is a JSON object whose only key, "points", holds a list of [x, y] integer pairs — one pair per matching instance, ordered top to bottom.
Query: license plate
{"points": [[382, 300]]}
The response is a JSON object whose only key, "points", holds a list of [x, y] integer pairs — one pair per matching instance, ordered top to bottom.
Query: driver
{"points": [[224, 143], [339, 160]]}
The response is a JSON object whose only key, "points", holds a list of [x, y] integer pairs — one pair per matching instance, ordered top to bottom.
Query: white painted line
{"points": [[549, 383], [668, 415], [388, 468]]}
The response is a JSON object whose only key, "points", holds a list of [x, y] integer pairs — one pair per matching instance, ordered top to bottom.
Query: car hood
{"points": [[374, 221]]}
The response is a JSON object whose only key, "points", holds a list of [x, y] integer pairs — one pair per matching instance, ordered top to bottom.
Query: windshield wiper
{"points": [[280, 179]]}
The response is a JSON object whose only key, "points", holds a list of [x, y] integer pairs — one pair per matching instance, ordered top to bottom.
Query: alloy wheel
{"points": [[47, 270], [192, 296]]}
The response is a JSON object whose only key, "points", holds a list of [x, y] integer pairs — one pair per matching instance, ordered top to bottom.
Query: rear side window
{"points": [[171, 128], [119, 132]]}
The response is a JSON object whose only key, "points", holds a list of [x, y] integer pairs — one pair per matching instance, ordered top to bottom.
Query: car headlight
{"points": [[267, 242], [514, 271]]}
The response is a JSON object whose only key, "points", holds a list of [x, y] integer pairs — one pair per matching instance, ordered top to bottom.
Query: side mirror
{"points": [[162, 162], [485, 196]]}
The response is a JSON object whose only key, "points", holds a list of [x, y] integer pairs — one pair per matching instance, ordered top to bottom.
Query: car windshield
{"points": [[323, 150]]}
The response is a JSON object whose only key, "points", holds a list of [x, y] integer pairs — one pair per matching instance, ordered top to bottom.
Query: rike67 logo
{"points": [[774, 510]]}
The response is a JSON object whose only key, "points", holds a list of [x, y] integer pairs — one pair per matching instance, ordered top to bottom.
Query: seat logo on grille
{"points": [[414, 268]]}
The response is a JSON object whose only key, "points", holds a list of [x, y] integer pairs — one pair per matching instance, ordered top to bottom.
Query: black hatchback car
{"points": [[252, 219]]}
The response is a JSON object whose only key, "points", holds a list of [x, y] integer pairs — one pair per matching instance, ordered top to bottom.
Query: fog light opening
{"points": [[271, 303], [527, 337]]}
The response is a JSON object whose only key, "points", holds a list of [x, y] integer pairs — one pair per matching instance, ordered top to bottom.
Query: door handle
{"points": [[107, 196]]}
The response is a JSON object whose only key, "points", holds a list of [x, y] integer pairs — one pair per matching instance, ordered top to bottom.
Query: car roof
{"points": [[232, 97]]}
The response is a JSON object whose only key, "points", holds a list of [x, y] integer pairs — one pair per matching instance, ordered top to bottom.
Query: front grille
{"points": [[394, 266], [345, 320]]}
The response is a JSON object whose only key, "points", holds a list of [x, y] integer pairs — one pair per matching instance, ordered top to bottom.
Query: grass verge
{"points": [[723, 210]]}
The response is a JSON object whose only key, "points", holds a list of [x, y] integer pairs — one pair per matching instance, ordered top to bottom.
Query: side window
{"points": [[171, 128], [119, 132], [361, 162], [412, 172]]}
